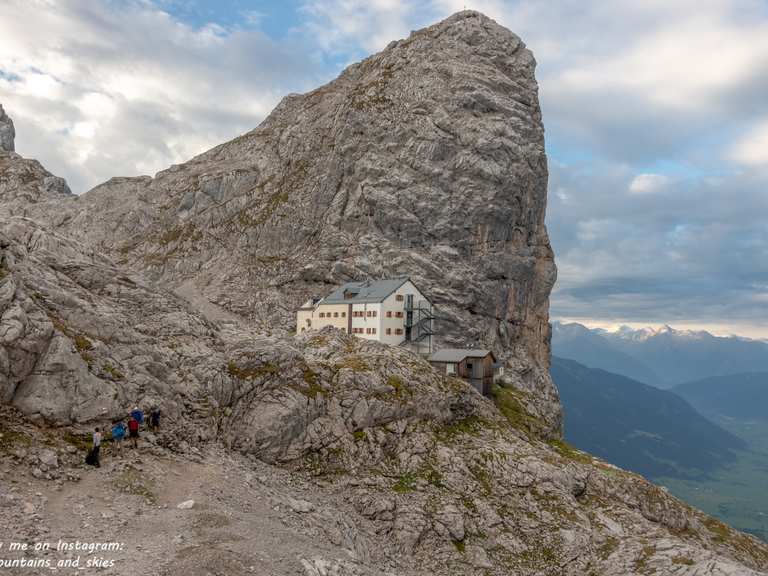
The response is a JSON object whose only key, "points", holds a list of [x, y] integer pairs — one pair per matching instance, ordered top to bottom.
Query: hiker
{"points": [[137, 415], [154, 419], [133, 431], [118, 435], [93, 455]]}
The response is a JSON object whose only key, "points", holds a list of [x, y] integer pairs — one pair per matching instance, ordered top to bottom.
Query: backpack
{"points": [[138, 415], [133, 425], [118, 432]]}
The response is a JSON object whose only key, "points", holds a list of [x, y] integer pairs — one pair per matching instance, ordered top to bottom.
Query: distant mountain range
{"points": [[664, 357], [740, 396], [639, 427]]}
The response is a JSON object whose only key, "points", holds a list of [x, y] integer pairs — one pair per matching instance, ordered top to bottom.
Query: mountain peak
{"points": [[7, 132]]}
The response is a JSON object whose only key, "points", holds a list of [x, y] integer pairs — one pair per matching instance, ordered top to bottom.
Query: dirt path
{"points": [[244, 519]]}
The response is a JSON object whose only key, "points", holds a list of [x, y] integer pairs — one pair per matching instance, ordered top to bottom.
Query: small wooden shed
{"points": [[472, 364]]}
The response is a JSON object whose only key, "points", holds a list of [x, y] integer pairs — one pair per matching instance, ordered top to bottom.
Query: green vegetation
{"points": [[246, 219], [179, 233], [318, 341], [353, 362], [112, 371], [260, 371], [397, 383], [313, 387], [508, 401], [471, 425], [359, 435], [10, 439], [79, 441], [567, 451], [482, 476], [132, 481], [406, 483], [736, 493], [460, 546], [608, 547], [683, 560], [641, 564]]}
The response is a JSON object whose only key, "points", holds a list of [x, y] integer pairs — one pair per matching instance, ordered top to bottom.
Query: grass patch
{"points": [[353, 362], [266, 369], [112, 371], [397, 383], [508, 402], [471, 425], [359, 435], [10, 439], [79, 441], [567, 451], [132, 481], [406, 483], [460, 546], [608, 547], [641, 564]]}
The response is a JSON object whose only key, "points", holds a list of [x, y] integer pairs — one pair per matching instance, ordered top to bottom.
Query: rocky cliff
{"points": [[426, 159], [178, 291]]}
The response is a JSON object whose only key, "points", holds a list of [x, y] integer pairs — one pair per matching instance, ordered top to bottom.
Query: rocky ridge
{"points": [[426, 159], [373, 461]]}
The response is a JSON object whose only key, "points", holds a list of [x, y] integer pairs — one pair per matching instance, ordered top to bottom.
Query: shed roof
{"points": [[368, 291], [458, 354]]}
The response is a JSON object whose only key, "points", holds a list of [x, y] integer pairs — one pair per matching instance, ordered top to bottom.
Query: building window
{"points": [[399, 297], [375, 313], [389, 313], [322, 314], [335, 314], [343, 314], [399, 314], [309, 322], [373, 330], [389, 331], [398, 331], [450, 368]]}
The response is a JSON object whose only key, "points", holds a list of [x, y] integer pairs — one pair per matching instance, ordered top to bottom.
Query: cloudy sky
{"points": [[656, 114]]}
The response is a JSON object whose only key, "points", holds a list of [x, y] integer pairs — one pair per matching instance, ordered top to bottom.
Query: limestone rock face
{"points": [[7, 132], [426, 159]]}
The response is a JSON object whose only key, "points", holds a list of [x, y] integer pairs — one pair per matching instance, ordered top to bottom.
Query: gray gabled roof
{"points": [[366, 292], [458, 354]]}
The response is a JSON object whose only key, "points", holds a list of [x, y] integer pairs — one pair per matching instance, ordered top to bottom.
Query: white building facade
{"points": [[392, 311]]}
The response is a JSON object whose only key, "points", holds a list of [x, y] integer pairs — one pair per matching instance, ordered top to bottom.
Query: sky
{"points": [[656, 117]]}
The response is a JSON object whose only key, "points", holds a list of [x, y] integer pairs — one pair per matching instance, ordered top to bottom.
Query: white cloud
{"points": [[351, 25], [103, 89], [752, 149], [648, 183]]}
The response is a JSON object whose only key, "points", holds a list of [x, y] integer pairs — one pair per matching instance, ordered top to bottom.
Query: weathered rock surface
{"points": [[7, 132], [426, 159], [369, 462], [372, 463]]}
